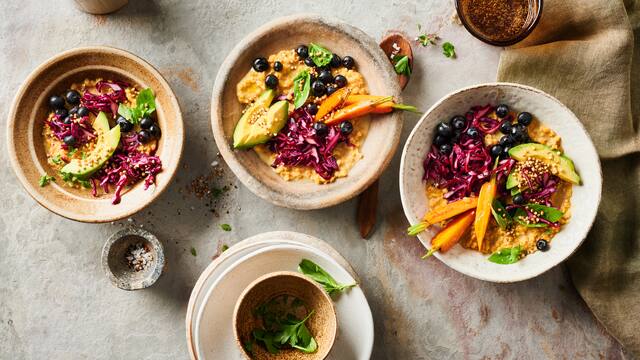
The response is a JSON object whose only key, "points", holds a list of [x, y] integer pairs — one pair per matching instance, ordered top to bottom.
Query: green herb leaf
{"points": [[426, 39], [449, 50], [319, 55], [402, 65], [301, 88], [146, 102], [404, 107], [125, 112], [71, 151], [83, 155], [56, 160], [70, 178], [45, 180], [548, 213], [500, 214], [225, 227], [225, 247], [194, 252], [506, 256], [318, 274], [267, 339], [306, 343], [248, 347]]}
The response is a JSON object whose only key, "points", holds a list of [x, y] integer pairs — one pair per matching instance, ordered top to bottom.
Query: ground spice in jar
{"points": [[497, 20]]}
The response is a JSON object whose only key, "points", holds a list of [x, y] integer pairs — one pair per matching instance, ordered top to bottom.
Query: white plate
{"points": [[576, 143], [213, 304]]}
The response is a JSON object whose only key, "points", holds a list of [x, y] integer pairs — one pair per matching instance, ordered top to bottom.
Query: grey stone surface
{"points": [[56, 303]]}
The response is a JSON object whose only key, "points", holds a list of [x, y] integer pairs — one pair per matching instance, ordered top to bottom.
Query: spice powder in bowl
{"points": [[499, 22]]}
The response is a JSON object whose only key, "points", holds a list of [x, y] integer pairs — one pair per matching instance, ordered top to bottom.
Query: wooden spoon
{"points": [[392, 44]]}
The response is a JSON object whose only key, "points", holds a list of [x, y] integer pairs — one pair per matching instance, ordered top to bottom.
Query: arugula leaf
{"points": [[449, 50], [319, 55], [401, 65], [301, 88], [56, 160], [45, 180], [500, 214], [225, 227], [194, 252], [506, 256], [312, 270]]}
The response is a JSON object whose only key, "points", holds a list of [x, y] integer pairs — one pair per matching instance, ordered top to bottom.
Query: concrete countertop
{"points": [[55, 301]]}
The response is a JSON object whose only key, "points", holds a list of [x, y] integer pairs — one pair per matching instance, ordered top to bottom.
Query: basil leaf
{"points": [[449, 50], [319, 55], [401, 65], [301, 88], [146, 102], [125, 112], [56, 160], [548, 213], [500, 214], [520, 215], [506, 256], [318, 274], [267, 339], [306, 343]]}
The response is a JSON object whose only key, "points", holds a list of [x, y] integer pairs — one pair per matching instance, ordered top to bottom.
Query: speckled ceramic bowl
{"points": [[288, 33], [29, 110], [576, 143]]}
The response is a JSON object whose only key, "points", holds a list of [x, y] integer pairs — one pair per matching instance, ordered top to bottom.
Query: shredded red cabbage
{"points": [[107, 101], [486, 125], [81, 129], [297, 144], [126, 168], [463, 171], [502, 172], [542, 190], [531, 215]]}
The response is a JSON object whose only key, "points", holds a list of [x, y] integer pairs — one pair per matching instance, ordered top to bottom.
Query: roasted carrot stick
{"points": [[335, 101], [356, 110], [443, 213], [483, 213], [451, 234]]}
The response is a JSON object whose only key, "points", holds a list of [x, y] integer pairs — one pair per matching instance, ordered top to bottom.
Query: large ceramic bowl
{"points": [[288, 33], [29, 110], [576, 143]]}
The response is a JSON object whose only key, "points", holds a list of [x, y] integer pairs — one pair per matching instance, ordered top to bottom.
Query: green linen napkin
{"points": [[583, 53]]}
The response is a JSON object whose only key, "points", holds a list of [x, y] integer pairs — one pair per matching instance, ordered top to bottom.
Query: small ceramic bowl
{"points": [[288, 33], [29, 110], [576, 143], [117, 267], [322, 324]]}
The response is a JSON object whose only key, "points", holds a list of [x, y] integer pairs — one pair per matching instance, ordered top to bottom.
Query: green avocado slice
{"points": [[260, 122], [108, 140], [566, 168]]}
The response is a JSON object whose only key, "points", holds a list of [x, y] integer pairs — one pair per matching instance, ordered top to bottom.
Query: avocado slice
{"points": [[260, 122], [108, 140], [566, 168], [512, 180]]}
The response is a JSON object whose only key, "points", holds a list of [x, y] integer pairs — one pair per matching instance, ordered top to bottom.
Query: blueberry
{"points": [[302, 51], [335, 61], [309, 62], [348, 62], [260, 64], [277, 66], [325, 76], [271, 81], [340, 81], [318, 88], [331, 90], [72, 97], [56, 102], [312, 108], [502, 110], [83, 111], [61, 112], [525, 118], [67, 120], [458, 122], [146, 123], [124, 124], [505, 127], [321, 128], [346, 128], [444, 129], [154, 131], [473, 132], [519, 132], [144, 136], [69, 140], [440, 140], [506, 140], [445, 149], [496, 150], [505, 152], [518, 199], [542, 245]]}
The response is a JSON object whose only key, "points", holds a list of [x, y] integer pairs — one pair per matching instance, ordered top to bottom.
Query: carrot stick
{"points": [[336, 100], [356, 110], [443, 213], [451, 233]]}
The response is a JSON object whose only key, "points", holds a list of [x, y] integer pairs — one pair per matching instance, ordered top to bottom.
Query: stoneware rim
{"points": [[321, 196], [119, 211], [524, 269]]}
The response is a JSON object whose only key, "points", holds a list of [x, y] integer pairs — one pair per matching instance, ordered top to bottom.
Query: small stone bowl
{"points": [[115, 264], [323, 324]]}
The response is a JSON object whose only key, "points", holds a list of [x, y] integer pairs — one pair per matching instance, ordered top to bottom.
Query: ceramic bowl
{"points": [[288, 33], [29, 110], [576, 143], [116, 266], [322, 324]]}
